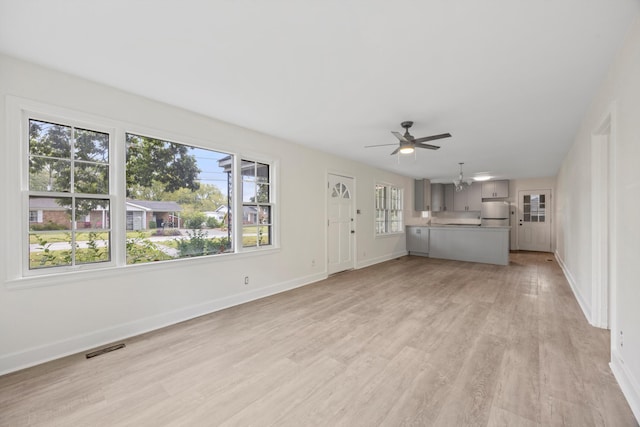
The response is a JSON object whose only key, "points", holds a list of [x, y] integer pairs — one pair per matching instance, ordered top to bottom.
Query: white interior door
{"points": [[534, 222], [340, 237]]}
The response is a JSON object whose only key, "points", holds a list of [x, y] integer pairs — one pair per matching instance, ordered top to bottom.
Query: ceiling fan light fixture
{"points": [[407, 149]]}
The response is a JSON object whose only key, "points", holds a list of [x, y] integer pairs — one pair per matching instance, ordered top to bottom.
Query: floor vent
{"points": [[549, 260], [104, 350]]}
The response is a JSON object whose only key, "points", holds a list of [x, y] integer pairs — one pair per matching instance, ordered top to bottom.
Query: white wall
{"points": [[620, 93], [80, 311]]}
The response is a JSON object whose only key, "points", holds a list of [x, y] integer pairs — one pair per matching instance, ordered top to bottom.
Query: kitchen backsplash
{"points": [[448, 217]]}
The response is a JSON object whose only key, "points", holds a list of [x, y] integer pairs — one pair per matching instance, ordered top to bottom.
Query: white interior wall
{"points": [[620, 92], [80, 311]]}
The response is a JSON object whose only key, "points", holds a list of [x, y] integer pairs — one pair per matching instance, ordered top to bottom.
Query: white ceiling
{"points": [[509, 79]]}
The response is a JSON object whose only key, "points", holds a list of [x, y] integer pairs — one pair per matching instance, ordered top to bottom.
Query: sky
{"points": [[210, 172]]}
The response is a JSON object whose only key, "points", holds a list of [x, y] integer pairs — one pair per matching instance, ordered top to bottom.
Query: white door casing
{"points": [[603, 203], [534, 220], [340, 224]]}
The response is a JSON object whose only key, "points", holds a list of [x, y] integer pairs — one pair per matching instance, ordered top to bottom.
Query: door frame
{"points": [[326, 217], [603, 224]]}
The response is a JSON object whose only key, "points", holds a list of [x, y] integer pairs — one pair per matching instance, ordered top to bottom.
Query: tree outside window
{"points": [[178, 200]]}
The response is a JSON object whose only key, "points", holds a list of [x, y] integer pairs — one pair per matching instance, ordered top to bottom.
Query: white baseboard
{"points": [[372, 261], [586, 308], [36, 355], [629, 385]]}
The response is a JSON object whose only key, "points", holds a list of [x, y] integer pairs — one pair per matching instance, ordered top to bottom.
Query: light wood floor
{"points": [[410, 342]]}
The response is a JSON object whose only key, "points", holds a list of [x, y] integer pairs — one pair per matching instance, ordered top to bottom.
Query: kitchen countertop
{"points": [[465, 226]]}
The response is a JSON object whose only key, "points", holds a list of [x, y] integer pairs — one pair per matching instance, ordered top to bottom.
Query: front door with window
{"points": [[534, 222], [340, 235]]}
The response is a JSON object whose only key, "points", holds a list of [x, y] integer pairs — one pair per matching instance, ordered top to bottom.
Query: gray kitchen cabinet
{"points": [[495, 189], [449, 190], [422, 196], [442, 197], [437, 198], [469, 199], [474, 200], [417, 240], [475, 244]]}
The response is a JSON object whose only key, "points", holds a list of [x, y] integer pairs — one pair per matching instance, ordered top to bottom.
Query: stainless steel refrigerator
{"points": [[494, 214]]}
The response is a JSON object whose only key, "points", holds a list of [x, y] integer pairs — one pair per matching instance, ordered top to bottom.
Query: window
{"points": [[68, 191], [178, 200], [388, 207], [534, 208], [35, 216], [257, 221]]}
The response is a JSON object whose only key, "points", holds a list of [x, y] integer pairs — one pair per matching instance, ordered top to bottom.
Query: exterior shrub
{"points": [[195, 220], [212, 222], [49, 226], [199, 244]]}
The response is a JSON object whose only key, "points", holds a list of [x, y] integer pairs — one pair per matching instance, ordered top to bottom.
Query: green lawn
{"points": [[250, 235]]}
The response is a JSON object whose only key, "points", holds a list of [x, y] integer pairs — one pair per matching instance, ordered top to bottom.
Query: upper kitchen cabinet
{"points": [[495, 189], [449, 190], [422, 196], [442, 197], [437, 198], [469, 199], [474, 201]]}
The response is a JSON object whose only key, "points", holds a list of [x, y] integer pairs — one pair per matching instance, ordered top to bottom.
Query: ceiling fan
{"points": [[408, 143]]}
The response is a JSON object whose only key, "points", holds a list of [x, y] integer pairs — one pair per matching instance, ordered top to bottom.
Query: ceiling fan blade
{"points": [[433, 137], [402, 138], [379, 145], [428, 146], [395, 151]]}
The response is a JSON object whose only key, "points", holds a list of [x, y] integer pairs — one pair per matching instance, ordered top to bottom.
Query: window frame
{"points": [[191, 143], [26, 193], [270, 204], [387, 209], [17, 273]]}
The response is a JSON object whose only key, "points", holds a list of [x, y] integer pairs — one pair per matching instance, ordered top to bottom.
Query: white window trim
{"points": [[51, 115], [271, 203], [15, 250]]}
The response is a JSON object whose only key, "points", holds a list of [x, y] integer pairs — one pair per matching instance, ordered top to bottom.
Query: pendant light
{"points": [[460, 183]]}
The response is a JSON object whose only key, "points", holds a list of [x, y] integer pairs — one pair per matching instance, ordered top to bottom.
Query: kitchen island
{"points": [[488, 245]]}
